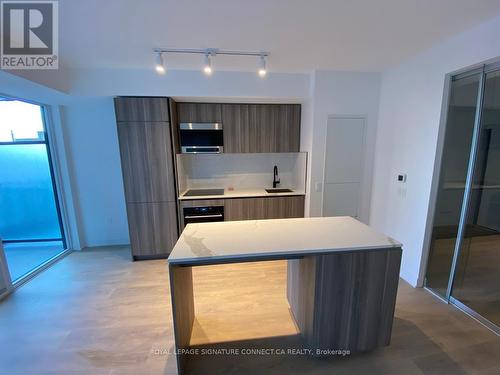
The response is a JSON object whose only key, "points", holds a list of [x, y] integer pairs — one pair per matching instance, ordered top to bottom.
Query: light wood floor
{"points": [[96, 312]]}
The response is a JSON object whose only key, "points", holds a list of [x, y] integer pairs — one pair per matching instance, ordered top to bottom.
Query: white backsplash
{"points": [[241, 171]]}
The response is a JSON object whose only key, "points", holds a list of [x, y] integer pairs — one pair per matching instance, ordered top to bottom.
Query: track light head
{"points": [[160, 63], [207, 64], [262, 68]]}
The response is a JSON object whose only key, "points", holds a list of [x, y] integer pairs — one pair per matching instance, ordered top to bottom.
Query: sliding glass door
{"points": [[454, 166], [30, 221], [464, 257], [477, 277]]}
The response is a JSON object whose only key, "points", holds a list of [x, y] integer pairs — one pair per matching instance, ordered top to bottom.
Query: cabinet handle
{"points": [[202, 216]]}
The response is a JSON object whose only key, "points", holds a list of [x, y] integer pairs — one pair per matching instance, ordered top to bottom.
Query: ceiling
{"points": [[301, 35]]}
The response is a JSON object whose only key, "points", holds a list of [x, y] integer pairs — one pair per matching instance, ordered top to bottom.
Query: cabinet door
{"points": [[141, 109], [199, 112], [261, 127], [278, 127], [287, 128], [239, 131], [147, 161], [285, 207], [264, 208], [244, 209], [152, 228]]}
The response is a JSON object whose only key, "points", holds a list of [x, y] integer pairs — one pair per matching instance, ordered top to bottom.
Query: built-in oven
{"points": [[201, 138], [203, 214]]}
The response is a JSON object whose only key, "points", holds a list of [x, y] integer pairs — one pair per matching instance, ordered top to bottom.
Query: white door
{"points": [[344, 159]]}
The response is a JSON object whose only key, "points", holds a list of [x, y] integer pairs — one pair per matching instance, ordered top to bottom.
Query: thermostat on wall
{"points": [[402, 177]]}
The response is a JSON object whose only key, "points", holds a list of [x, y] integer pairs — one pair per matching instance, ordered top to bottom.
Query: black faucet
{"points": [[276, 180]]}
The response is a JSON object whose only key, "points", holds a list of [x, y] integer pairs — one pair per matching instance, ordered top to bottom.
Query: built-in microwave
{"points": [[201, 138]]}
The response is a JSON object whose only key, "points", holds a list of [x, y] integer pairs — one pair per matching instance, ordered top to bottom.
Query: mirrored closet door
{"points": [[464, 256]]}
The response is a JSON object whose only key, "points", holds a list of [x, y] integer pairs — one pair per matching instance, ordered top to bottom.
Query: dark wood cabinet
{"points": [[141, 109], [199, 112], [174, 127], [249, 127], [240, 128], [261, 128], [287, 128], [145, 139], [147, 161], [286, 207], [257, 208], [264, 208], [152, 228]]}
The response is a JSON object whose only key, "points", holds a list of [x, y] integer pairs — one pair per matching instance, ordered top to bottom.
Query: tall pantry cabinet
{"points": [[145, 135]]}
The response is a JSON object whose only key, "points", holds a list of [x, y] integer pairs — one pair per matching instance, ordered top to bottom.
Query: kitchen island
{"points": [[341, 283]]}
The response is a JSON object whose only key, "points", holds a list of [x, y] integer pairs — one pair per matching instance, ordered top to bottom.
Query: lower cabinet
{"points": [[251, 208], [264, 208], [152, 228]]}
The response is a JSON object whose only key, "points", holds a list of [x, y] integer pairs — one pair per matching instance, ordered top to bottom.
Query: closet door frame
{"points": [[483, 69]]}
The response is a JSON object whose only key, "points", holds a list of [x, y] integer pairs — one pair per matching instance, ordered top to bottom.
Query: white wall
{"points": [[187, 84], [18, 87], [342, 93], [410, 110], [306, 143], [95, 166]]}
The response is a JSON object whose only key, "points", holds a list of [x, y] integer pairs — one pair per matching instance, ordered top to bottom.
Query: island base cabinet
{"points": [[153, 229], [182, 297], [344, 301]]}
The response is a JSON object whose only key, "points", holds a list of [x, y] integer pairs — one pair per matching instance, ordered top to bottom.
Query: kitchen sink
{"points": [[279, 191]]}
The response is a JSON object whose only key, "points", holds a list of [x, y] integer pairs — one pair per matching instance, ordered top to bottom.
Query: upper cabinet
{"points": [[141, 109], [199, 112], [249, 127], [261, 127]]}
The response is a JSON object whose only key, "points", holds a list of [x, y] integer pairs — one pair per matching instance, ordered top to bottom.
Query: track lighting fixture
{"points": [[208, 54], [160, 63], [207, 64], [262, 69]]}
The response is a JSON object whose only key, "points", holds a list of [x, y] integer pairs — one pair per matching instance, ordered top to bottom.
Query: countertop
{"points": [[242, 193], [232, 241]]}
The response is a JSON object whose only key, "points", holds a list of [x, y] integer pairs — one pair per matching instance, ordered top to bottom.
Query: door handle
{"points": [[202, 216]]}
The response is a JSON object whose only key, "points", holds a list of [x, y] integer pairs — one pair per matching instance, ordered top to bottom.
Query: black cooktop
{"points": [[196, 192]]}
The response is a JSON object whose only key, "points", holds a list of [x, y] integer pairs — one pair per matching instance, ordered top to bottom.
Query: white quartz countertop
{"points": [[242, 193], [217, 242]]}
